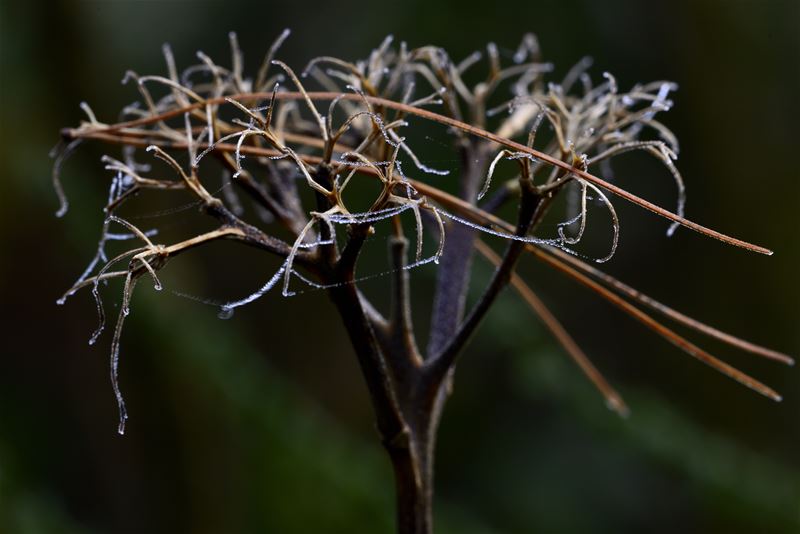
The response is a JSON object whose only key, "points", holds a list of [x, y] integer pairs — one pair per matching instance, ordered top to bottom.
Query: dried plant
{"points": [[284, 147]]}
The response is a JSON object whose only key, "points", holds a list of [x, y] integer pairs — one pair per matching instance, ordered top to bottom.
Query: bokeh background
{"points": [[261, 424]]}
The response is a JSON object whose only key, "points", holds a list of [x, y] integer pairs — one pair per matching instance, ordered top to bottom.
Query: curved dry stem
{"points": [[261, 79], [172, 85], [309, 102], [661, 151], [61, 152], [614, 221], [95, 281]]}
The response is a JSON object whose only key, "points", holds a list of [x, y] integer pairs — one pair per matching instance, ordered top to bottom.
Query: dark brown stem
{"points": [[348, 302], [390, 362], [408, 448], [412, 460]]}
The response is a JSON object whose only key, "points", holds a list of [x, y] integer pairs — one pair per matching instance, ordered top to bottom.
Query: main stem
{"points": [[392, 369], [408, 392], [408, 396], [406, 419], [412, 460]]}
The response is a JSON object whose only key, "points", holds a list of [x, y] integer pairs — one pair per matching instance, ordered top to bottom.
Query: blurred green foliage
{"points": [[253, 425]]}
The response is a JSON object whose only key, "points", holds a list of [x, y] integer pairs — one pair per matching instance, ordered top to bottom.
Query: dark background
{"points": [[261, 423]]}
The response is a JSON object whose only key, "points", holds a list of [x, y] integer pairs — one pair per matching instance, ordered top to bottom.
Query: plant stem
{"points": [[412, 460]]}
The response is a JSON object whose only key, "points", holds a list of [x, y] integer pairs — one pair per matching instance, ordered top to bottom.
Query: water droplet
{"points": [[225, 313]]}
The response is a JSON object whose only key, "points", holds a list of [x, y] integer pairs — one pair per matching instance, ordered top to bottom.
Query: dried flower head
{"points": [[304, 159]]}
